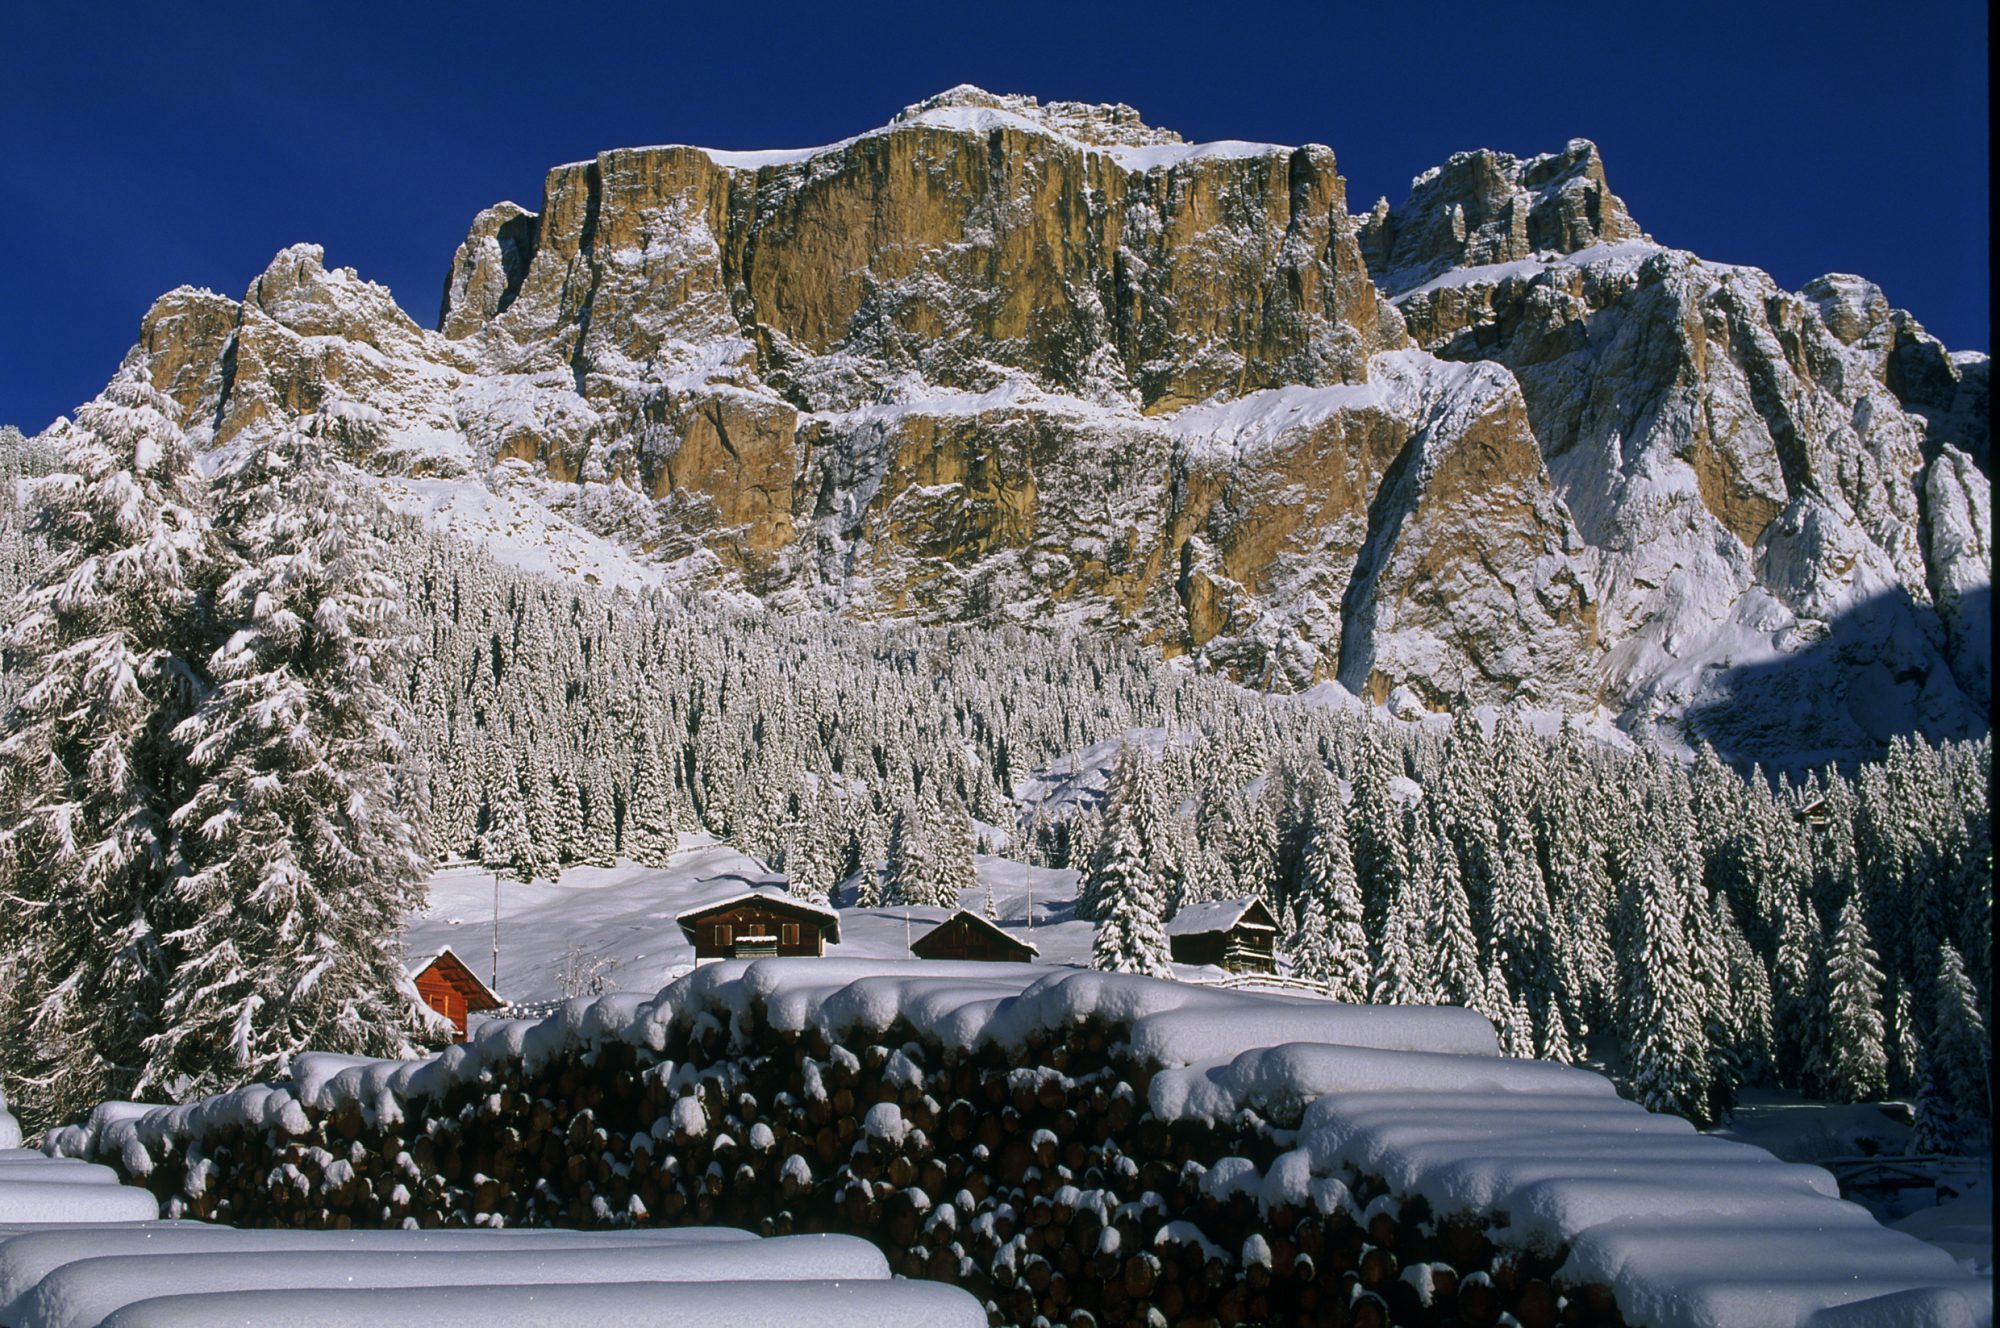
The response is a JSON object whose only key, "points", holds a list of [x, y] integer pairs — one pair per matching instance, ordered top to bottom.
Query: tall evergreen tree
{"points": [[89, 772], [1131, 809], [648, 836], [300, 861], [1333, 897], [1130, 937], [1661, 1008], [1961, 1052], [1857, 1066]]}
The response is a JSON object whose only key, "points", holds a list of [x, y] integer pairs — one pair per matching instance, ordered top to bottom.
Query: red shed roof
{"points": [[456, 972]]}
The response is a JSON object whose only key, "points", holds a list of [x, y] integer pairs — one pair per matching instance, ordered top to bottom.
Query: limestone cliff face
{"points": [[1006, 361], [1748, 465]]}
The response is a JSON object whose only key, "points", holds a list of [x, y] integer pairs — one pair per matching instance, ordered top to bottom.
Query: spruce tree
{"points": [[89, 771], [1132, 807], [648, 836], [506, 843], [299, 857], [1333, 893], [1130, 937], [1454, 947], [1660, 1006], [1796, 1017], [1960, 1050], [1857, 1067], [1935, 1126]]}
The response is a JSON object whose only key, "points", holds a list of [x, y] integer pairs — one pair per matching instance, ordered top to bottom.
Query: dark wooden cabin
{"points": [[758, 924], [1237, 934], [966, 935], [452, 989]]}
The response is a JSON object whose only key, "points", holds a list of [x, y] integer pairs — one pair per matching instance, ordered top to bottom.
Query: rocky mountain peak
{"points": [[1092, 123], [1489, 207], [1004, 360]]}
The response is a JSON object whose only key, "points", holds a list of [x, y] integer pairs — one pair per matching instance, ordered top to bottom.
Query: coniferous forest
{"points": [[246, 707]]}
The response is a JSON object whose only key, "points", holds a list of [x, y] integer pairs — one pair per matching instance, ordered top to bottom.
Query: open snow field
{"points": [[618, 922], [1948, 1204]]}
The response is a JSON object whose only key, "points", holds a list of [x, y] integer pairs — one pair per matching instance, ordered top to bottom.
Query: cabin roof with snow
{"points": [[1222, 915], [826, 919], [966, 931], [445, 966], [450, 987]]}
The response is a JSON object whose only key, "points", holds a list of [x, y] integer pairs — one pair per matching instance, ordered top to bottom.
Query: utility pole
{"points": [[495, 867]]}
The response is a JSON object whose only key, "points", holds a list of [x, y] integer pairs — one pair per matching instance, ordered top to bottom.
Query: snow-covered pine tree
{"points": [[88, 772], [1131, 805], [648, 836], [506, 842], [1381, 855], [299, 857], [907, 867], [1329, 880], [1130, 937], [1307, 941], [1454, 947], [1402, 973], [1748, 985], [1660, 1007], [1797, 1019], [1513, 1026], [1960, 1050], [1856, 1065], [1935, 1127]]}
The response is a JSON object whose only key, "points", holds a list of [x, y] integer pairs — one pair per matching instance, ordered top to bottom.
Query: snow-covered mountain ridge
{"points": [[1006, 361]]}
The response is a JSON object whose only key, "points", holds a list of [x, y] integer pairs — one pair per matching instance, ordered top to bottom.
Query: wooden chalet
{"points": [[758, 924], [1236, 934], [966, 935], [452, 989]]}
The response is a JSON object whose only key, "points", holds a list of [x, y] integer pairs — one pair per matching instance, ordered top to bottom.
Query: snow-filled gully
{"points": [[1070, 1146]]}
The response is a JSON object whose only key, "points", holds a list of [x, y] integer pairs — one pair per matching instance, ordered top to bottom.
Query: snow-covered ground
{"points": [[618, 922], [1948, 1203], [184, 1273]]}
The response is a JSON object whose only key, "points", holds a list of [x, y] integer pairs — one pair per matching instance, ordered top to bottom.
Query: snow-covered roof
{"points": [[778, 899], [1222, 915], [984, 924], [417, 966]]}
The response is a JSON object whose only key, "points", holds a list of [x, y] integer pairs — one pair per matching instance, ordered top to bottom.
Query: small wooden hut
{"points": [[1237, 934], [966, 935], [452, 989]]}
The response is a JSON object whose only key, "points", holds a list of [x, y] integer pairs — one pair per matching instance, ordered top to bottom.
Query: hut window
{"points": [[788, 933], [723, 935]]}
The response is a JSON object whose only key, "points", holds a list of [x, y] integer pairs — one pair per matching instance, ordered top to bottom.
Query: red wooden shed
{"points": [[452, 989]]}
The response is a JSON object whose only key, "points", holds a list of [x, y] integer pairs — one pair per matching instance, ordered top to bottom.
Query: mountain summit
{"points": [[1001, 360]]}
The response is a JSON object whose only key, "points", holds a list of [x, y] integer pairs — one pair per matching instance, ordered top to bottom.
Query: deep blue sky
{"points": [[146, 146]]}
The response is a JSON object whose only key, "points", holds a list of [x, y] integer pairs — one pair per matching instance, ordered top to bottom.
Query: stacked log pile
{"points": [[1038, 1180]]}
